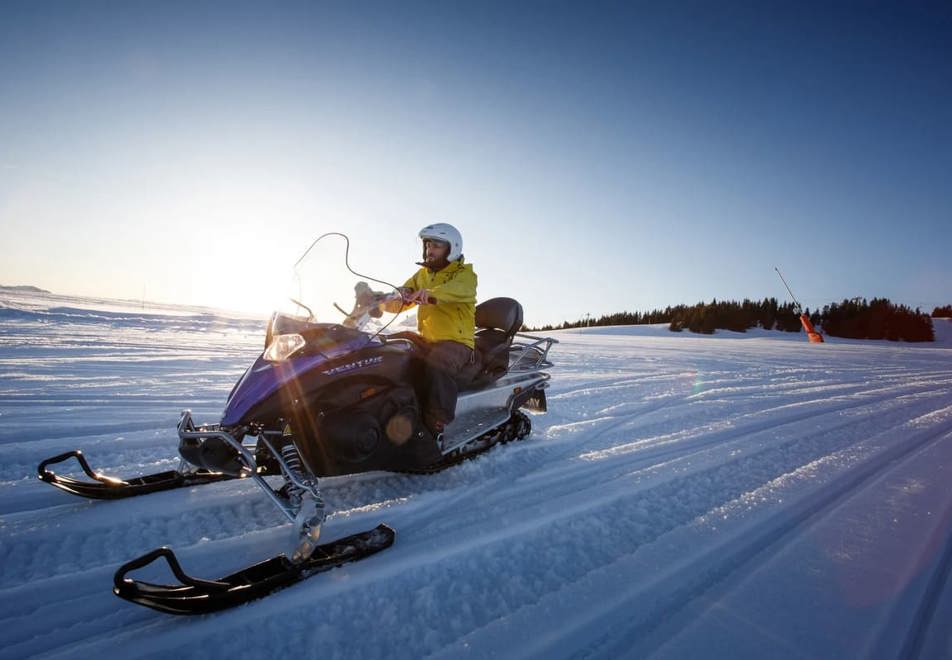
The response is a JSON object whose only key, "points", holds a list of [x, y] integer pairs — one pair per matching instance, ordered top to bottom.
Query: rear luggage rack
{"points": [[531, 354]]}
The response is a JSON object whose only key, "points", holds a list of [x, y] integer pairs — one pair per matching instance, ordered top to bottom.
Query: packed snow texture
{"points": [[741, 495]]}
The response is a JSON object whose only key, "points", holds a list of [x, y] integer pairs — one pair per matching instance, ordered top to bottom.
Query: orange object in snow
{"points": [[812, 334]]}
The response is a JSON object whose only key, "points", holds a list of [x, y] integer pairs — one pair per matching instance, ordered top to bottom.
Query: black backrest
{"points": [[500, 313], [498, 320]]}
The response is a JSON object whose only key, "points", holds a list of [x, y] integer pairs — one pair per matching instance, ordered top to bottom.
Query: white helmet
{"points": [[446, 233]]}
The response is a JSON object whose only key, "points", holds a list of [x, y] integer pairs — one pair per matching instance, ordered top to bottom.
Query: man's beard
{"points": [[434, 263]]}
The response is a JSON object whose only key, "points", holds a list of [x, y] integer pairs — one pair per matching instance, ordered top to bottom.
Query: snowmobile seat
{"points": [[497, 322], [415, 338]]}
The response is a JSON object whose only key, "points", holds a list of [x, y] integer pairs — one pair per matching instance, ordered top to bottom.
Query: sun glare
{"points": [[321, 281]]}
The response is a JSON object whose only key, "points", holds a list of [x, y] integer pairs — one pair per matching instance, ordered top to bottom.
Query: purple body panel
{"points": [[264, 378]]}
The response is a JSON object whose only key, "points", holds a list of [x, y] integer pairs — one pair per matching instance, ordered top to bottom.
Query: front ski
{"points": [[110, 488], [197, 596]]}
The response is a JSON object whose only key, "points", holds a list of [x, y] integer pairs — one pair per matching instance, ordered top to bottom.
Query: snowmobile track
{"points": [[718, 569], [672, 594], [925, 618]]}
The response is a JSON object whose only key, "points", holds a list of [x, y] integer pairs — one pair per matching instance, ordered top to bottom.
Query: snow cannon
{"points": [[812, 334]]}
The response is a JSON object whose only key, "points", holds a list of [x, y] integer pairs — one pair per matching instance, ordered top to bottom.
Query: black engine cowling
{"points": [[376, 430]]}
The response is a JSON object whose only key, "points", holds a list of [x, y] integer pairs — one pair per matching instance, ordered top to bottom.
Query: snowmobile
{"points": [[334, 392]]}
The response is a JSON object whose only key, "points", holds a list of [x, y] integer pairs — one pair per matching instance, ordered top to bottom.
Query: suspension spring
{"points": [[292, 459]]}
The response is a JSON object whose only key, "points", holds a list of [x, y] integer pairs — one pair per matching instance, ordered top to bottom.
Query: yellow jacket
{"points": [[453, 317]]}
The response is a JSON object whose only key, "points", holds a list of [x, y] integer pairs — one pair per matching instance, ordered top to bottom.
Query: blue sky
{"points": [[597, 157]]}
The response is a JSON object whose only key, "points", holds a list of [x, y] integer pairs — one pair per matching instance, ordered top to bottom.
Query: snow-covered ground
{"points": [[741, 496]]}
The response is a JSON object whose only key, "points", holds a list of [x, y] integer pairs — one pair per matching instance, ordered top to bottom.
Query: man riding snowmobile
{"points": [[445, 290], [334, 392]]}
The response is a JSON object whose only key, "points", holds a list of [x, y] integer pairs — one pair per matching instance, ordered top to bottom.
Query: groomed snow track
{"points": [[683, 497]]}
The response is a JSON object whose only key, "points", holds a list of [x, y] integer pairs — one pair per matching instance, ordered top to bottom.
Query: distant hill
{"points": [[24, 289]]}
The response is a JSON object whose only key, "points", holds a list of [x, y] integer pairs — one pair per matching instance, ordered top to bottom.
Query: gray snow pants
{"points": [[444, 361]]}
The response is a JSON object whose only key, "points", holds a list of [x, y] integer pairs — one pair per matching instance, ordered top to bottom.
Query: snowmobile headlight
{"points": [[283, 346]]}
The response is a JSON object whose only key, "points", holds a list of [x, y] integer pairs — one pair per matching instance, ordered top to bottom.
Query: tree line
{"points": [[942, 312], [856, 318], [875, 319]]}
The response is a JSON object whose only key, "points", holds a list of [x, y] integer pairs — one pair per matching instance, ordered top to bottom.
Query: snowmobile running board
{"points": [[110, 488], [197, 596]]}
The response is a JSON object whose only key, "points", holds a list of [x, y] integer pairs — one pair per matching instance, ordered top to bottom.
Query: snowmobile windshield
{"points": [[328, 289]]}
